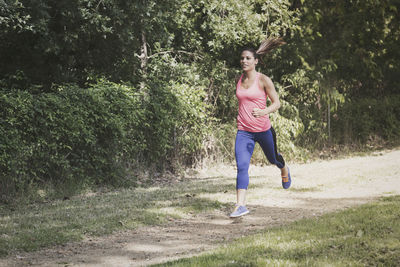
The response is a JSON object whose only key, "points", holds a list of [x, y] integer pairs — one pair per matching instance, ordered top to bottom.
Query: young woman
{"points": [[252, 91]]}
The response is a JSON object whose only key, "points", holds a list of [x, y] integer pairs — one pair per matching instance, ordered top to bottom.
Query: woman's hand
{"points": [[258, 112]]}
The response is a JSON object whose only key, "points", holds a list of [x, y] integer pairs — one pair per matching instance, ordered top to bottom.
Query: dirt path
{"points": [[318, 187]]}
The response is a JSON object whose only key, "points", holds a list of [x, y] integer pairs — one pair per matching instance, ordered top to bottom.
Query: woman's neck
{"points": [[250, 74]]}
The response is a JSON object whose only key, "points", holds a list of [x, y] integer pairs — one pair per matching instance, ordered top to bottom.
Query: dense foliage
{"points": [[345, 55], [97, 90]]}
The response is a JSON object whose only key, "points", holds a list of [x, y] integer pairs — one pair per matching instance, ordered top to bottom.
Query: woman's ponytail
{"points": [[269, 44]]}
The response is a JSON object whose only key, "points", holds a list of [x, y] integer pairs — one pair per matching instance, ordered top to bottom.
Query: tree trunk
{"points": [[143, 53], [144, 57], [329, 116]]}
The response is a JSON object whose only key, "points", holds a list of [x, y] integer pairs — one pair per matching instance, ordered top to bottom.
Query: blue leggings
{"points": [[244, 147]]}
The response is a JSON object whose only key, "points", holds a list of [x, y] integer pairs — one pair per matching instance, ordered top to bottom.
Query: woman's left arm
{"points": [[269, 89]]}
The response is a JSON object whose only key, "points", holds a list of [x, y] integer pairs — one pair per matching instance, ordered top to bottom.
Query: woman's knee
{"points": [[243, 166]]}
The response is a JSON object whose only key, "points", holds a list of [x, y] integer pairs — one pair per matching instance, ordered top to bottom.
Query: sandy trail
{"points": [[317, 188]]}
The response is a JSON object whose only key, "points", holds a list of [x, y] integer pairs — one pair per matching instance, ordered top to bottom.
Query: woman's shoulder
{"points": [[264, 79]]}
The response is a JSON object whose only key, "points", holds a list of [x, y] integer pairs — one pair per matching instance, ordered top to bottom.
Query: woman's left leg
{"points": [[267, 141]]}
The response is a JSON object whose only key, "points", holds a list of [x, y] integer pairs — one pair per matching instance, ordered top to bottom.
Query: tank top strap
{"points": [[258, 80], [239, 83]]}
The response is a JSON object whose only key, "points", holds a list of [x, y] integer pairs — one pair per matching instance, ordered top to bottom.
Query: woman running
{"points": [[252, 91]]}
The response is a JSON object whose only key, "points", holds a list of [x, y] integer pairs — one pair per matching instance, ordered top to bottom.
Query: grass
{"points": [[38, 225], [368, 235], [365, 236]]}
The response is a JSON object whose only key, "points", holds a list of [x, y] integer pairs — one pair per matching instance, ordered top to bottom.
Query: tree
{"points": [[343, 53]]}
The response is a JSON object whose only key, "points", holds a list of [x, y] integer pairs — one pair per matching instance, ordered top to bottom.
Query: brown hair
{"points": [[266, 46]]}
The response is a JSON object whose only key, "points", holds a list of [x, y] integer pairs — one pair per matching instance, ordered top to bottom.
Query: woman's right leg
{"points": [[244, 147]]}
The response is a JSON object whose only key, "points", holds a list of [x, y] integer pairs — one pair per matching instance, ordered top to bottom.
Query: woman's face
{"points": [[247, 60]]}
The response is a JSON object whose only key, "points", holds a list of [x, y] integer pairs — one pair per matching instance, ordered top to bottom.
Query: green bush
{"points": [[178, 117], [366, 118], [105, 134], [85, 135]]}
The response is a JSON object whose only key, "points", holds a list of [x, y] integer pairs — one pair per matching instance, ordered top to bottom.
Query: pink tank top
{"points": [[253, 97]]}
